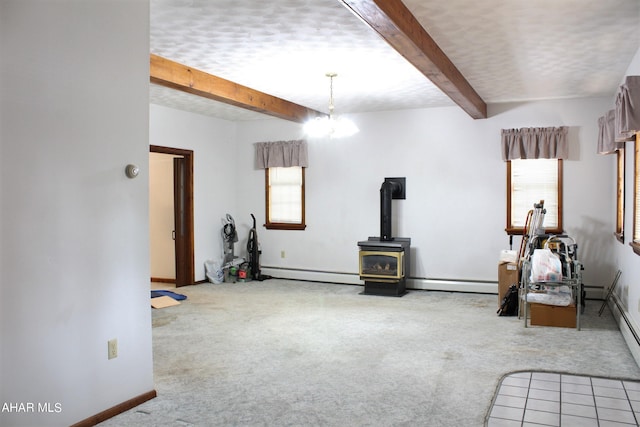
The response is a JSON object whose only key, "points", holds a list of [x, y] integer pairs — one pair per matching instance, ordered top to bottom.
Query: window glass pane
{"points": [[285, 176], [533, 180], [285, 195], [636, 196]]}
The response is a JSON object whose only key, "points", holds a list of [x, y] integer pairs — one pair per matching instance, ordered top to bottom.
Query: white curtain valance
{"points": [[627, 119], [535, 143], [607, 143], [281, 154]]}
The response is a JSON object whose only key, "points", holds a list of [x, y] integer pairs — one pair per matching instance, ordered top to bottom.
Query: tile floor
{"points": [[554, 399]]}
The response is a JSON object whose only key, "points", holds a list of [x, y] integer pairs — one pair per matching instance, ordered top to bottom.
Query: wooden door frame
{"points": [[189, 266]]}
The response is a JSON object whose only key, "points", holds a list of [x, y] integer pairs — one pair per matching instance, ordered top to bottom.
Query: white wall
{"points": [[456, 189], [215, 192], [161, 216], [74, 230], [75, 259], [626, 260]]}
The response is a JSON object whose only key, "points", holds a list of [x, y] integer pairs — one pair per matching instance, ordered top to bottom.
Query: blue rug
{"points": [[177, 297]]}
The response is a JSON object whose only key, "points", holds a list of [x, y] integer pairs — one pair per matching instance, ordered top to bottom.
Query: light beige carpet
{"points": [[291, 353]]}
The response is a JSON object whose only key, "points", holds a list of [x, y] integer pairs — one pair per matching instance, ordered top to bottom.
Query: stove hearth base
{"points": [[397, 289]]}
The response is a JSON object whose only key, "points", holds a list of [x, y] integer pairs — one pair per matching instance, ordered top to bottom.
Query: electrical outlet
{"points": [[281, 254], [112, 346]]}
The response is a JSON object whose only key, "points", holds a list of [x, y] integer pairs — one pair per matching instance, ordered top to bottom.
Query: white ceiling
{"points": [[508, 50]]}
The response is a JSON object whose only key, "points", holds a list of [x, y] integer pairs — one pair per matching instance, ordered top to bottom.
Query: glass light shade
{"points": [[332, 127]]}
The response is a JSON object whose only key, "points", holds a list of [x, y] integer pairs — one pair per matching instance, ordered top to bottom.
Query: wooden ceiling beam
{"points": [[397, 25], [177, 76]]}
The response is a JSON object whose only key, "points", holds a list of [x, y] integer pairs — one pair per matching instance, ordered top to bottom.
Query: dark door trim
{"points": [[185, 268]]}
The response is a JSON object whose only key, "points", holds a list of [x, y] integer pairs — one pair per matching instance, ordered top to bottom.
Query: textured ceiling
{"points": [[508, 50]]}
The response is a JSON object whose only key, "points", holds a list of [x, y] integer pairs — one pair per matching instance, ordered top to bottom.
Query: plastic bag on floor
{"points": [[213, 271]]}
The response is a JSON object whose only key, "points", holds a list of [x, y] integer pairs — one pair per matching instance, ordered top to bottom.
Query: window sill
{"points": [[283, 226], [520, 231], [619, 236], [636, 246]]}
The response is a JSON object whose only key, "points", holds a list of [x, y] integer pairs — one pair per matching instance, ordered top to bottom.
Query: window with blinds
{"points": [[528, 182], [620, 195], [285, 198]]}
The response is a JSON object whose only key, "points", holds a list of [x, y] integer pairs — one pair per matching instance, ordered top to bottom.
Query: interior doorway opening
{"points": [[176, 236]]}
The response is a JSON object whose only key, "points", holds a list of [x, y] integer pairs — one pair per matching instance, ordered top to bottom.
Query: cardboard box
{"points": [[507, 276], [163, 301], [553, 315]]}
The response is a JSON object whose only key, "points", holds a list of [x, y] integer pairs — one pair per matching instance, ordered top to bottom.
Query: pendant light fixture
{"points": [[331, 126]]}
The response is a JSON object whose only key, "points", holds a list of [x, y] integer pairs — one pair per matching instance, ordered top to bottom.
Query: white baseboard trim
{"points": [[354, 279], [480, 287], [627, 325]]}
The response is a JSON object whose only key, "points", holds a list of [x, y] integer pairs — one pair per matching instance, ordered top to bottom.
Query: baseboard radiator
{"points": [[422, 283], [485, 287], [627, 325]]}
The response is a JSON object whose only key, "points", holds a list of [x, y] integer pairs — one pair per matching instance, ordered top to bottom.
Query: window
{"points": [[528, 182], [620, 196], [285, 198], [635, 244]]}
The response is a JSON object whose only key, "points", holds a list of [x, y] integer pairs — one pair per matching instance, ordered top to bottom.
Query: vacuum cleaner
{"points": [[229, 237], [254, 252]]}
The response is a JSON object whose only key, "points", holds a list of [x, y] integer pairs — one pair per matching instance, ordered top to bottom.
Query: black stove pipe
{"points": [[387, 190]]}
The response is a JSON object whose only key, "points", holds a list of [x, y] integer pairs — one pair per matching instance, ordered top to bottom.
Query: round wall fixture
{"points": [[132, 171]]}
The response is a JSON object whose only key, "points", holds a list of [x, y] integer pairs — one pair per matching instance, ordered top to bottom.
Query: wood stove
{"points": [[385, 261], [385, 265]]}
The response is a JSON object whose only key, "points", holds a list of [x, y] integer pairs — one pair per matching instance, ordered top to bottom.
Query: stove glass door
{"points": [[377, 264]]}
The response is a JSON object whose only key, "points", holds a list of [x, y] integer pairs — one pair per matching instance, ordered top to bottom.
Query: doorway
{"points": [[182, 203]]}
